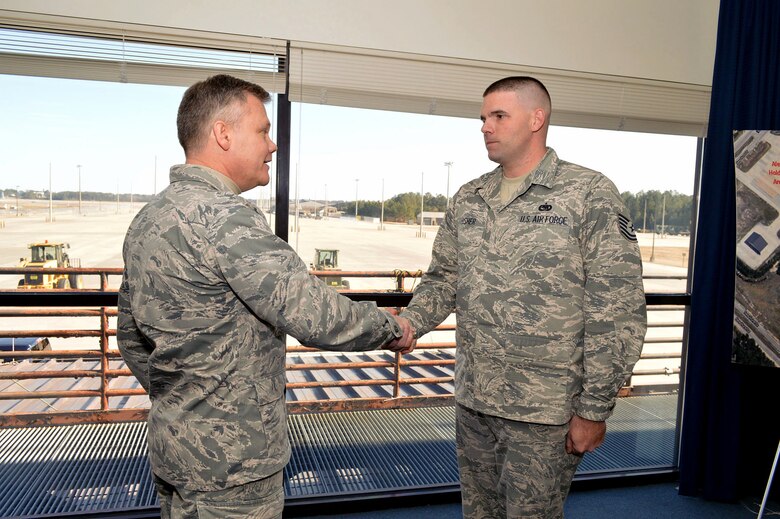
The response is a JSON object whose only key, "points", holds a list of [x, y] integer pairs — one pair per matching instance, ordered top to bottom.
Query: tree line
{"points": [[31, 194], [401, 208], [647, 209], [650, 209]]}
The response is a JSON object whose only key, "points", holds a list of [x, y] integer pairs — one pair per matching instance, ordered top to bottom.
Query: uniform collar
{"points": [[209, 176], [489, 188]]}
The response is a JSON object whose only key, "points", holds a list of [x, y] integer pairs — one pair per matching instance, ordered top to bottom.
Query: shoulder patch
{"points": [[626, 228]]}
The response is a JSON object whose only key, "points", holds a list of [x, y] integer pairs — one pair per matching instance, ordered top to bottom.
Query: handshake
{"points": [[405, 343]]}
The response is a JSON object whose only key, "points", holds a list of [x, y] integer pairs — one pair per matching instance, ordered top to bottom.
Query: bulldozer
{"points": [[49, 255], [328, 259]]}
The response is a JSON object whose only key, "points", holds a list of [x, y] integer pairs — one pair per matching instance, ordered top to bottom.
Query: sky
{"points": [[124, 138]]}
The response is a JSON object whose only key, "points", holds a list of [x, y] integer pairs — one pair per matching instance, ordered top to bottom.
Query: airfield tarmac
{"points": [[96, 238]]}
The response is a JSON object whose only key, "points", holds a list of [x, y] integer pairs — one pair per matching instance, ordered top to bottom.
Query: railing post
{"points": [[399, 280], [103, 358], [397, 373]]}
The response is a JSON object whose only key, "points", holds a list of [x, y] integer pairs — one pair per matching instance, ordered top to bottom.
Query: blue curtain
{"points": [[730, 421]]}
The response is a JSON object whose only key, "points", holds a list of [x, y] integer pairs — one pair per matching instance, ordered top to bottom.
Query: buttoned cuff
{"points": [[392, 326], [593, 409]]}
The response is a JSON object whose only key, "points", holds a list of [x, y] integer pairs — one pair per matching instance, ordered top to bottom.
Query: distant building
{"points": [[308, 209], [431, 217], [756, 242]]}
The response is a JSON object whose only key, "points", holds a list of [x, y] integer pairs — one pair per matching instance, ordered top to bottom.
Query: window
{"points": [[350, 160], [367, 187]]}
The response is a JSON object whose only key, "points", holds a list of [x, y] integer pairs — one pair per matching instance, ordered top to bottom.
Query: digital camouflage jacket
{"points": [[547, 291], [207, 296]]}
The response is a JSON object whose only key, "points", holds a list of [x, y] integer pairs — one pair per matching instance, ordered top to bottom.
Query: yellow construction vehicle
{"points": [[49, 255], [328, 259]]}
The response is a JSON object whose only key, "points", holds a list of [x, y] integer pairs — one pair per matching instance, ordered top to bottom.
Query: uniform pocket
{"points": [[552, 352], [487, 361], [537, 371], [273, 414], [241, 421]]}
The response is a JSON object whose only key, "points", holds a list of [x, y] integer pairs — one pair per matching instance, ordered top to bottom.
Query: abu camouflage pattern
{"points": [[547, 290], [207, 295], [510, 468], [261, 499]]}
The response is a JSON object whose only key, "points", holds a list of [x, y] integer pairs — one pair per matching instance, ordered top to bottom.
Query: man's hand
{"points": [[407, 342], [584, 435]]}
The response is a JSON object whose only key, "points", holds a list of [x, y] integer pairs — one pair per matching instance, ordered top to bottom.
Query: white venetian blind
{"points": [[140, 58], [443, 86]]}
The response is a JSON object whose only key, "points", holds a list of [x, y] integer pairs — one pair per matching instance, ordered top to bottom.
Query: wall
{"points": [[668, 40]]}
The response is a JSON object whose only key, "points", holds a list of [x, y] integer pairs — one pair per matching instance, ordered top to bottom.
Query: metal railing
{"points": [[106, 365]]}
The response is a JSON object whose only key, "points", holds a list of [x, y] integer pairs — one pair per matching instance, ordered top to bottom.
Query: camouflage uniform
{"points": [[547, 290], [207, 296], [261, 499]]}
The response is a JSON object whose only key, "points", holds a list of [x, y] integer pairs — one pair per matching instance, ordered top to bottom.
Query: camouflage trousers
{"points": [[511, 469], [261, 499]]}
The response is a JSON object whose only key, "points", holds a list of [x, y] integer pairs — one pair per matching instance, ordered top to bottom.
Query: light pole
{"points": [[449, 165], [79, 167], [356, 197], [17, 200], [51, 200], [422, 202], [297, 204], [325, 210], [382, 214], [663, 217], [652, 249]]}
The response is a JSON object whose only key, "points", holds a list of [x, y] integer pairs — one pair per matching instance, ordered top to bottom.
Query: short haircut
{"points": [[521, 84], [208, 100]]}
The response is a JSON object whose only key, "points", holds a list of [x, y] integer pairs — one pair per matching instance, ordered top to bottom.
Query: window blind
{"points": [[117, 57], [443, 86]]}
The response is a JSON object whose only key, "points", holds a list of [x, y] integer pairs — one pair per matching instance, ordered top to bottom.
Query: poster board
{"points": [[756, 338]]}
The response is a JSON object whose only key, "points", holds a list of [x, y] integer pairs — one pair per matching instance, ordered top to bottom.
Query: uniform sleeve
{"points": [[272, 280], [434, 298], [614, 305], [135, 348]]}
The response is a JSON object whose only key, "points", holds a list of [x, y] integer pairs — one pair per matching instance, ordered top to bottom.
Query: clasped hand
{"points": [[405, 343]]}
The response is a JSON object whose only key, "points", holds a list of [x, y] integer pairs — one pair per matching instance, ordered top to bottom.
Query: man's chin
{"points": [[265, 178]]}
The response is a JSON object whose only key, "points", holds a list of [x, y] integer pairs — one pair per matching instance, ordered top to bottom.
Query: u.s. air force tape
{"points": [[626, 228]]}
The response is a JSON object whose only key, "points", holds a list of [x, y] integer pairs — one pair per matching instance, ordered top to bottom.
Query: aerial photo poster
{"points": [[757, 294]]}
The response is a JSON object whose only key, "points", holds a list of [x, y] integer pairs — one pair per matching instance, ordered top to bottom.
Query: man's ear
{"points": [[538, 120], [221, 132]]}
